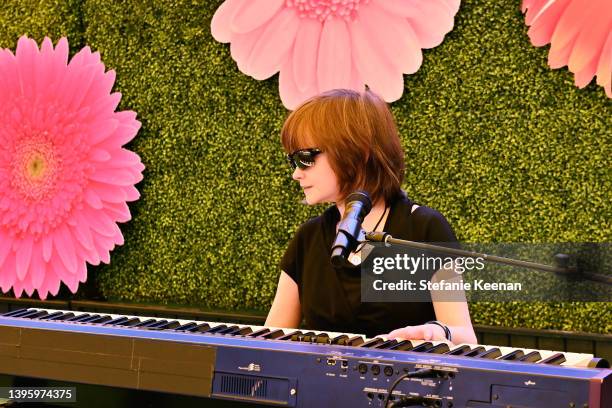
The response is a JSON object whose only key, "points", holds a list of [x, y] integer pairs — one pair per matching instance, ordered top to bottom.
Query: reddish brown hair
{"points": [[359, 135]]}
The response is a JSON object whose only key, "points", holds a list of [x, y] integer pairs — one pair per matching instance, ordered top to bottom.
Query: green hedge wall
{"points": [[507, 149]]}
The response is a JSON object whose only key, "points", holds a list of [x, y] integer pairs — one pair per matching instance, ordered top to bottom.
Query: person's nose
{"points": [[298, 174]]}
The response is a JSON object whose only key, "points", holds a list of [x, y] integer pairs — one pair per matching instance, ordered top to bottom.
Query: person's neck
{"points": [[373, 216]]}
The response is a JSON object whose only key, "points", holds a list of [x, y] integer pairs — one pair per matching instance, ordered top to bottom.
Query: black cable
{"points": [[421, 373]]}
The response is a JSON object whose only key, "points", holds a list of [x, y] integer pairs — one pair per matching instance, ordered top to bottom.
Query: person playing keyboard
{"points": [[339, 142]]}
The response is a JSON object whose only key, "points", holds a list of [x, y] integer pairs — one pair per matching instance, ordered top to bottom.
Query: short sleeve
{"points": [[438, 229]]}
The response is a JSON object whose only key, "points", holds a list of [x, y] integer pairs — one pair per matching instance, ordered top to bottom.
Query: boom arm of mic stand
{"points": [[378, 236]]}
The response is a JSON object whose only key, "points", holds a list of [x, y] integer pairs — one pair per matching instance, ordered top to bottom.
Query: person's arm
{"points": [[286, 310], [454, 315]]}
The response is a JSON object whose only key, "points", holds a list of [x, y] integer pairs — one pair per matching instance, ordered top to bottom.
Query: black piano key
{"points": [[15, 313], [26, 313], [38, 315], [51, 315], [63, 316], [78, 318], [90, 318], [101, 319], [118, 320], [130, 322], [145, 323], [157, 324], [170, 325], [186, 326], [200, 328], [216, 329], [228, 330], [239, 331], [244, 331], [259, 332], [274, 334], [288, 336], [305, 337], [322, 338], [338, 339], [354, 341], [373, 342], [387, 344], [404, 345], [422, 347], [439, 348], [461, 350], [475, 351], [491, 353], [513, 355], [531, 357], [556, 359]]}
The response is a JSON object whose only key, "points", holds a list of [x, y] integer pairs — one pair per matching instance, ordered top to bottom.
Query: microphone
{"points": [[358, 205]]}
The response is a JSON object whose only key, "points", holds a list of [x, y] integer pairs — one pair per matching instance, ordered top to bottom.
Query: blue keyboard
{"points": [[289, 367]]}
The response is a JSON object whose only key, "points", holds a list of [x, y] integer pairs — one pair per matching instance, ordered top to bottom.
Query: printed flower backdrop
{"points": [[580, 36], [319, 45], [64, 176]]}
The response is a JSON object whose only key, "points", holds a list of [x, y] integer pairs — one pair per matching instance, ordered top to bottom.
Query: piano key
{"points": [[15, 313], [26, 314], [51, 315], [63, 317], [78, 318], [90, 318], [101, 319], [117, 320], [130, 322], [145, 323], [169, 325], [186, 326], [199, 328], [228, 330], [242, 331], [259, 332], [274, 334], [288, 336], [299, 336], [322, 338], [338, 339], [354, 341], [372, 342], [387, 344], [404, 345], [422, 347], [439, 348], [460, 350], [475, 351], [491, 353], [513, 355], [531, 357], [555, 359]]}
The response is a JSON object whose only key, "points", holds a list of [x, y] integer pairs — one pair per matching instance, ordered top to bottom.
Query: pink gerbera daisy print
{"points": [[580, 36], [318, 45], [64, 176]]}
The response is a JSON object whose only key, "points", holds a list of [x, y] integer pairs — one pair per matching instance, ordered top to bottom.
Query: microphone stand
{"points": [[562, 260]]}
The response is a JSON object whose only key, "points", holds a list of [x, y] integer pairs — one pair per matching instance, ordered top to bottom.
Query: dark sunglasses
{"points": [[303, 158]]}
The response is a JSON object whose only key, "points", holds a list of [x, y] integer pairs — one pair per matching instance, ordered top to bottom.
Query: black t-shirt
{"points": [[330, 297]]}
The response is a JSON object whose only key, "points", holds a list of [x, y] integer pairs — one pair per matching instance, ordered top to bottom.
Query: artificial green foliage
{"points": [[508, 149]]}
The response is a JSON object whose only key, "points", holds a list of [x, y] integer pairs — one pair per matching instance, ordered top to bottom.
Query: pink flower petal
{"points": [[254, 13], [432, 20], [543, 24], [570, 24], [220, 25], [590, 42], [273, 45], [242, 47], [305, 52], [558, 56], [334, 59], [604, 67], [584, 76], [383, 78], [290, 94], [102, 130], [117, 177], [92, 199], [119, 211], [83, 235], [63, 243], [5, 248], [47, 248], [22, 259], [38, 267]]}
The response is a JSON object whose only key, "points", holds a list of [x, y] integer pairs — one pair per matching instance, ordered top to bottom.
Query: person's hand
{"points": [[422, 332]]}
